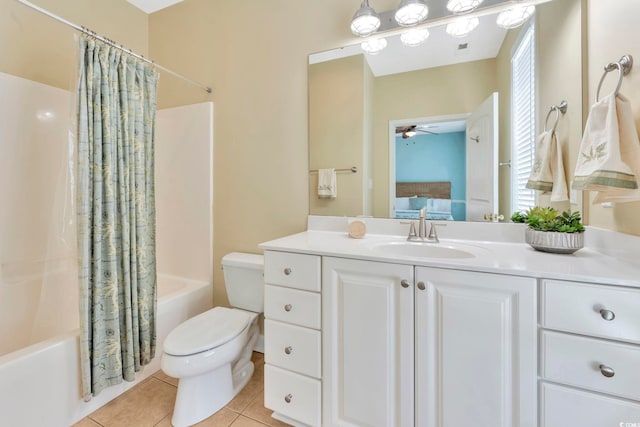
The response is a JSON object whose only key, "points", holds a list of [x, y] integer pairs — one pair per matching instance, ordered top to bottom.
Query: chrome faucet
{"points": [[422, 223], [421, 235]]}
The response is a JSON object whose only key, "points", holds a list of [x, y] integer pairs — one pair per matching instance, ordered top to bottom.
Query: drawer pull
{"points": [[287, 271], [405, 283], [421, 286], [288, 307], [607, 314], [288, 350], [607, 371], [288, 398]]}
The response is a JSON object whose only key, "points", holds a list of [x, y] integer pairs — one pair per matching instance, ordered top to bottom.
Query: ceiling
{"points": [[150, 6], [438, 50]]}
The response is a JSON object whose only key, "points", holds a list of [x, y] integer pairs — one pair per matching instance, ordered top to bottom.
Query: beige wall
{"points": [[613, 32], [38, 48], [254, 54], [559, 60], [452, 89], [338, 94]]}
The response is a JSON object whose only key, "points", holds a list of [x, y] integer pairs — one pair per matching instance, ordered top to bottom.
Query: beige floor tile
{"points": [[166, 378], [246, 396], [144, 405], [258, 412], [223, 418], [86, 422], [246, 422]]}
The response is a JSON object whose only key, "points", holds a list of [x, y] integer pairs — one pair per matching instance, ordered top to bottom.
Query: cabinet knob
{"points": [[287, 271], [405, 283], [421, 286], [288, 307], [607, 314], [288, 350], [607, 371], [288, 398]]}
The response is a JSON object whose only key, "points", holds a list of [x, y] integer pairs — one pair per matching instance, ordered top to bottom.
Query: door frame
{"points": [[392, 146]]}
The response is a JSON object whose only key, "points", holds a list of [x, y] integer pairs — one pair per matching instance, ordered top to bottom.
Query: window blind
{"points": [[523, 121]]}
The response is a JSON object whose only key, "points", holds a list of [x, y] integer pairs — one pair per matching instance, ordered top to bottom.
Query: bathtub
{"points": [[39, 384]]}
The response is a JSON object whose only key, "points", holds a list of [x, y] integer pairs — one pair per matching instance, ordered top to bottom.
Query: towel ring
{"points": [[623, 66], [562, 108]]}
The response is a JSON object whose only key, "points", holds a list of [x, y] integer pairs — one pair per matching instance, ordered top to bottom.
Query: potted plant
{"points": [[549, 231]]}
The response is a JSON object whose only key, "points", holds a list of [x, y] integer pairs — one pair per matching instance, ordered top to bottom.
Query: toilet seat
{"points": [[206, 331]]}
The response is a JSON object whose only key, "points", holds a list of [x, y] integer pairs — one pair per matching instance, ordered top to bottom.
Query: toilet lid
{"points": [[205, 331]]}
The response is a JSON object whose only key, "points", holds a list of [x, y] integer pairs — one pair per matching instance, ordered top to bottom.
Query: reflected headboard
{"points": [[433, 190]]}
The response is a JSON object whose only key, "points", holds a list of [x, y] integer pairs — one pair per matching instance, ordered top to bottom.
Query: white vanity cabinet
{"points": [[367, 324], [293, 342], [475, 348], [442, 349], [590, 355]]}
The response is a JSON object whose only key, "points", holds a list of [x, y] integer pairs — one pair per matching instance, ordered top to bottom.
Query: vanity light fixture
{"points": [[458, 7], [411, 12], [515, 16], [365, 21], [461, 27], [414, 37], [374, 46]]}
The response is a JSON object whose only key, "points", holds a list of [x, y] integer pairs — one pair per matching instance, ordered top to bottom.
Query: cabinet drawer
{"points": [[292, 270], [292, 306], [576, 307], [292, 347], [575, 360], [292, 395], [563, 406]]}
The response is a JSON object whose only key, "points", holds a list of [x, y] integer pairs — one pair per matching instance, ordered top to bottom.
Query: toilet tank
{"points": [[244, 280]]}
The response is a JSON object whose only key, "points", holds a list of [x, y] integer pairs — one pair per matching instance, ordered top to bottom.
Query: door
{"points": [[482, 160], [367, 340], [476, 349]]}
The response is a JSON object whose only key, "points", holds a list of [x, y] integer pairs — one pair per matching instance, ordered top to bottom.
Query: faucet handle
{"points": [[433, 232], [413, 235]]}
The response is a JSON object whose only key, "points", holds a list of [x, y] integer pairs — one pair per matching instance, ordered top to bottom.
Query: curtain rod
{"points": [[111, 43]]}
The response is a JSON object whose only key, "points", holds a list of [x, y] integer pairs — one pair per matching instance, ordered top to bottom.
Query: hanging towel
{"points": [[609, 157], [548, 168], [327, 184]]}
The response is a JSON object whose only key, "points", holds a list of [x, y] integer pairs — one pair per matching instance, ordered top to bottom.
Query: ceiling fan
{"points": [[412, 130]]}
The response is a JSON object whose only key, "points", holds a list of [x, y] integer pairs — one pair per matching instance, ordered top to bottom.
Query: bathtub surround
{"points": [[116, 215], [39, 363]]}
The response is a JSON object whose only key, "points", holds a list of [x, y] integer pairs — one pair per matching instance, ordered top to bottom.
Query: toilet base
{"points": [[201, 396]]}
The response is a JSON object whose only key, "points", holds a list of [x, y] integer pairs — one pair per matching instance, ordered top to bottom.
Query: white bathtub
{"points": [[39, 384]]}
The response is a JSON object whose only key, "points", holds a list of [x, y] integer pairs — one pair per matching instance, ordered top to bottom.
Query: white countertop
{"points": [[504, 257]]}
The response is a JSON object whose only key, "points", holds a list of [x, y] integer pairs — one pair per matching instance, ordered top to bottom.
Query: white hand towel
{"points": [[609, 158], [548, 168], [327, 184]]}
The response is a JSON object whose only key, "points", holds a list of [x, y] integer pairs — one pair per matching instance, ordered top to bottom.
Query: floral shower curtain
{"points": [[116, 215]]}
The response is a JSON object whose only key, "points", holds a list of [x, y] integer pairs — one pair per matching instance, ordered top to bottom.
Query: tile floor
{"points": [[150, 404]]}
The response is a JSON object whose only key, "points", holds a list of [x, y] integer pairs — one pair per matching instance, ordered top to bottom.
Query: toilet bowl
{"points": [[210, 353]]}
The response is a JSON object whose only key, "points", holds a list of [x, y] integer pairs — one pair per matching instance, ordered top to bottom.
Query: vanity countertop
{"points": [[503, 257]]}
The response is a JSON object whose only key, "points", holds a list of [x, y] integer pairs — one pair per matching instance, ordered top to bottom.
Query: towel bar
{"points": [[623, 66], [562, 108], [353, 169]]}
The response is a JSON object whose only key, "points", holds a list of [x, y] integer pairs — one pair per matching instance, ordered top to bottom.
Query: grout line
{"points": [[89, 417]]}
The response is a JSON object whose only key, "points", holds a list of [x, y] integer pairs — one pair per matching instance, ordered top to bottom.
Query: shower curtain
{"points": [[116, 106]]}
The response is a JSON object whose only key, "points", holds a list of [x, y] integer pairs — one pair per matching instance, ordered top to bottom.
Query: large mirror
{"points": [[431, 125]]}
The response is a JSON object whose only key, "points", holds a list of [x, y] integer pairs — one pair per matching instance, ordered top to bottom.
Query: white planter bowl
{"points": [[557, 243]]}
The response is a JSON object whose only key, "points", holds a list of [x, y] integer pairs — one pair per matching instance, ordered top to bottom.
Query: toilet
{"points": [[211, 352]]}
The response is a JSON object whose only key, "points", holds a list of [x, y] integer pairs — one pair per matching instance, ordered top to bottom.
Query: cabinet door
{"points": [[367, 327], [476, 349]]}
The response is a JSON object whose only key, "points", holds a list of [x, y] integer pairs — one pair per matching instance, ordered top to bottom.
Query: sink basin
{"points": [[425, 250]]}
